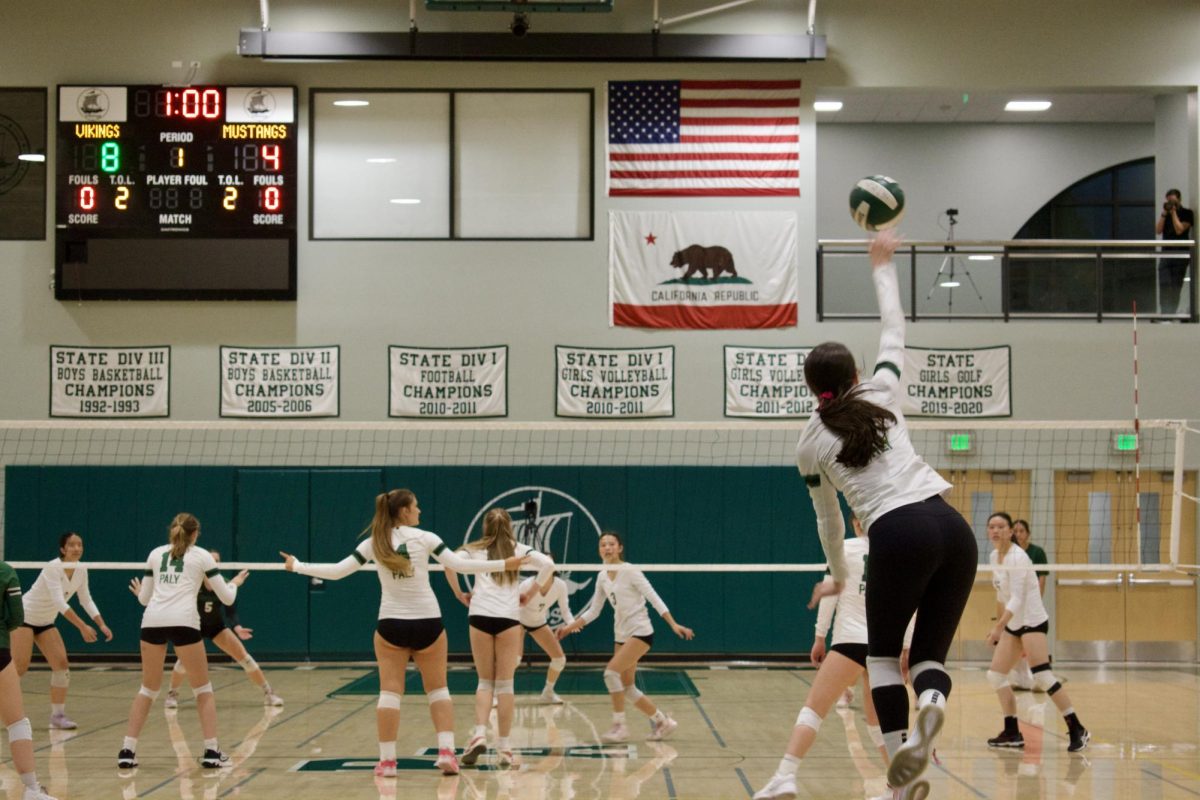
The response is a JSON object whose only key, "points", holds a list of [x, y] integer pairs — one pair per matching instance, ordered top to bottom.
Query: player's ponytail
{"points": [[861, 425], [387, 514], [182, 533], [499, 541]]}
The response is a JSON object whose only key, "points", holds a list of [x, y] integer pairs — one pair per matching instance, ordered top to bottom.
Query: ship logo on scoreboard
{"points": [[92, 103], [260, 103], [544, 518]]}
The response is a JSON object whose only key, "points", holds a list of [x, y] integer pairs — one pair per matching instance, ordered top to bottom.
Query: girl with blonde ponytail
{"points": [[175, 572], [494, 612], [410, 621]]}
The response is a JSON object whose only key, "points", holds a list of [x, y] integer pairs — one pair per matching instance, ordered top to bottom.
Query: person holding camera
{"points": [[1175, 222]]}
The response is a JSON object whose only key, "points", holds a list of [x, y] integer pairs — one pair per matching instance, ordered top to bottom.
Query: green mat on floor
{"points": [[654, 682]]}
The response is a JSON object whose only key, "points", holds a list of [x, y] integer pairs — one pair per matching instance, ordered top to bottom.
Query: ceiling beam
{"points": [[582, 47]]}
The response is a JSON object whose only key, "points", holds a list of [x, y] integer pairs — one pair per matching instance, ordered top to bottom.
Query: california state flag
{"points": [[702, 269]]}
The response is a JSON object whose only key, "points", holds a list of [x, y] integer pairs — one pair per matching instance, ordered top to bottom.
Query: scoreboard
{"points": [[176, 192]]}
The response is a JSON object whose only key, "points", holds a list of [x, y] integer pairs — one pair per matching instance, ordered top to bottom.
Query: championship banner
{"points": [[702, 269], [110, 382], [274, 382], [454, 382], [614, 382], [767, 382], [964, 383]]}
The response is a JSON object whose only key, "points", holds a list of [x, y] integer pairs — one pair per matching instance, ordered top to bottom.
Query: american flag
{"points": [[706, 138]]}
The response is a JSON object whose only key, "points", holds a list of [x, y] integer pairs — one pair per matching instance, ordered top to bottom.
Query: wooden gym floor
{"points": [[1145, 724]]}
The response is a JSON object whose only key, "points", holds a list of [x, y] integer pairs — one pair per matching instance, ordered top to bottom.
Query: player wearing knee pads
{"points": [[60, 580], [534, 619], [1021, 626]]}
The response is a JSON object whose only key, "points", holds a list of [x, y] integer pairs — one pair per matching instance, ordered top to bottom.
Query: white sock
{"points": [[550, 684], [266, 688], [931, 696], [58, 708], [658, 716], [618, 717], [481, 731], [446, 740], [892, 741], [130, 743], [502, 743], [211, 744], [387, 751], [787, 766], [30, 780]]}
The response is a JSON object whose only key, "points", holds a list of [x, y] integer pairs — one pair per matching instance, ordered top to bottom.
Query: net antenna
{"points": [[945, 276], [1137, 452]]}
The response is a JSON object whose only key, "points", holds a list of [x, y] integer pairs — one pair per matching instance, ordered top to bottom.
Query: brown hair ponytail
{"points": [[861, 425], [387, 511], [182, 533], [499, 542]]}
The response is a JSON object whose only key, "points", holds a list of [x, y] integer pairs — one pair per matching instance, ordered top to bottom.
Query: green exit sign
{"points": [[1125, 442], [959, 443]]}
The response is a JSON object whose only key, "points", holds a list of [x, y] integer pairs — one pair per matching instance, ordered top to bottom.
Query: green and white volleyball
{"points": [[876, 203]]}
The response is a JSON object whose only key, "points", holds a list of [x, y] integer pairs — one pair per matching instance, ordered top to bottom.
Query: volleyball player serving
{"points": [[923, 552], [174, 574], [628, 591], [50, 595], [410, 620], [219, 624], [1021, 625], [495, 628], [839, 669]]}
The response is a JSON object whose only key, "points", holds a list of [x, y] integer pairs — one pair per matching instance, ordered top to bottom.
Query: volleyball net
{"points": [[1096, 495]]}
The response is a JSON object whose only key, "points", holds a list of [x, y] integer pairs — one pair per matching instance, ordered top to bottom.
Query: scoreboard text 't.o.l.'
{"points": [[176, 192]]}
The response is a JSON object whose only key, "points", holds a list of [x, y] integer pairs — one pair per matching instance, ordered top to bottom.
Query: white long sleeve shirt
{"points": [[895, 477], [170, 586], [1017, 589], [51, 593], [628, 593], [402, 597], [490, 598], [536, 610], [850, 622]]}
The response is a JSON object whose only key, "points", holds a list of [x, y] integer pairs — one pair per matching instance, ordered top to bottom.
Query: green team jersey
{"points": [[1038, 556], [12, 612]]}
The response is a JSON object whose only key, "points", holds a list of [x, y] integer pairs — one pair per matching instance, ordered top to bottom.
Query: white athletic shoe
{"points": [[548, 697], [272, 699], [172, 700], [62, 722], [661, 730], [616, 734], [476, 746], [913, 756], [504, 759], [446, 761], [386, 768], [780, 787], [914, 791], [35, 793]]}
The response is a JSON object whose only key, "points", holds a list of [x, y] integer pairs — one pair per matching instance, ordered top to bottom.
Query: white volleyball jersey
{"points": [[895, 477], [170, 586], [1017, 589], [51, 592], [628, 592], [402, 597], [490, 598], [850, 605], [537, 607]]}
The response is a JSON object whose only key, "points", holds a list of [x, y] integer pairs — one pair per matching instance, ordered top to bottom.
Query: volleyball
{"points": [[876, 203]]}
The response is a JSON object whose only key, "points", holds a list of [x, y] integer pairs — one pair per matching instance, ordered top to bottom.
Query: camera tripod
{"points": [[945, 274]]}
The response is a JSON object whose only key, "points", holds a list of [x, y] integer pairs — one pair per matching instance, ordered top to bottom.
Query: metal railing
{"points": [[1016, 279]]}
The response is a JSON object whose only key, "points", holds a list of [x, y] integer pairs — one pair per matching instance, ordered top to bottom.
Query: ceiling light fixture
{"points": [[351, 103], [827, 105], [1027, 105], [381, 161], [405, 201], [981, 258]]}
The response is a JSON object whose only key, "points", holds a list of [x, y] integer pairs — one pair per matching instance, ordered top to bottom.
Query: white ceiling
{"points": [[889, 105]]}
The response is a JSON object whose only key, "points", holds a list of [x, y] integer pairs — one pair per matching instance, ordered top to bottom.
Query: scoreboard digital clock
{"points": [[176, 192]]}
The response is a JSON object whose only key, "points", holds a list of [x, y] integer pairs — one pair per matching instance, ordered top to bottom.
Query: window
{"points": [[440, 164]]}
